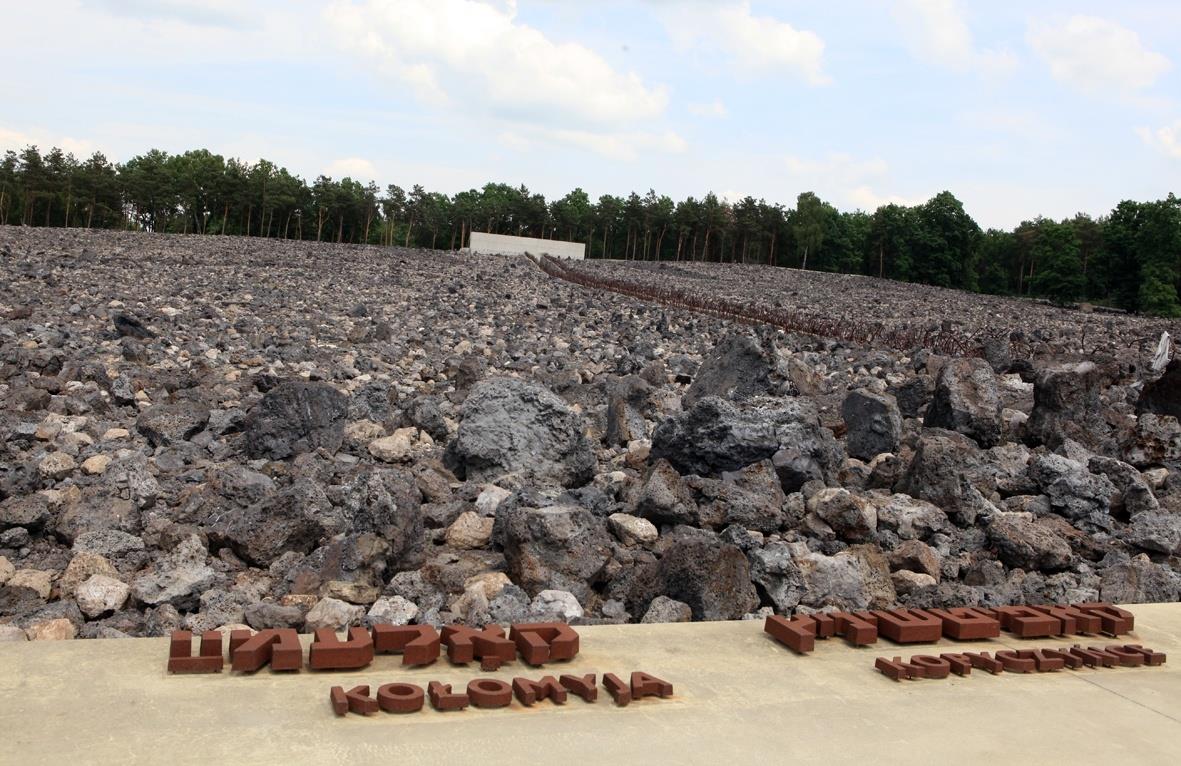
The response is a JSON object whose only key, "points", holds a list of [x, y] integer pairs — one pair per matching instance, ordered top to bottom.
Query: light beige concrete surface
{"points": [[739, 698]]}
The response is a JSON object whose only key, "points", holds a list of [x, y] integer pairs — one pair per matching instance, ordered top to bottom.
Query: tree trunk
{"points": [[90, 212], [319, 224], [287, 225], [409, 228], [771, 256], [881, 261], [804, 263]]}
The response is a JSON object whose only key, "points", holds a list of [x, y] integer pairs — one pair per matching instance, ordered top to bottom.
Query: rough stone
{"points": [[967, 401], [296, 417], [874, 423], [165, 425], [510, 426], [469, 530], [632, 530], [554, 548], [101, 594], [665, 609], [333, 613]]}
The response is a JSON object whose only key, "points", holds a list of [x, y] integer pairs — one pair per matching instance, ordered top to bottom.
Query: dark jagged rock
{"points": [[296, 417], [510, 426]]}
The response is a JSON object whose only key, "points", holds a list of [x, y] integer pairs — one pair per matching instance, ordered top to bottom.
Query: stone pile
{"points": [[208, 432]]}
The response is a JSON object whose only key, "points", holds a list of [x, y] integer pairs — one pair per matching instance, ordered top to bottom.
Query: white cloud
{"points": [[937, 31], [755, 43], [1095, 54], [476, 55], [713, 108], [18, 140], [1166, 140], [624, 145], [357, 168], [867, 199]]}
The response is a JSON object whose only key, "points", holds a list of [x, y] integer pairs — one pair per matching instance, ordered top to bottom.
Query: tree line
{"points": [[1130, 258]]}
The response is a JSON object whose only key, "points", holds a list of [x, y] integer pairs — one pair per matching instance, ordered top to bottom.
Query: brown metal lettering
{"points": [[1113, 620], [1027, 622], [967, 623], [908, 626], [858, 629], [798, 633], [542, 642], [418, 644], [465, 644], [278, 646], [180, 653], [330, 653], [1093, 657], [1127, 658], [984, 661], [1015, 663], [961, 664], [932, 667], [896, 669], [647, 685], [581, 686], [619, 691], [529, 692], [490, 693], [400, 698], [443, 699], [356, 700]]}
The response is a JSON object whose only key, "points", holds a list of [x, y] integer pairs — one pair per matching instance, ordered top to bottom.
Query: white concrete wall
{"points": [[502, 244]]}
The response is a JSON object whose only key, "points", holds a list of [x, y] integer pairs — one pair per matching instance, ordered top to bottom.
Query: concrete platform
{"points": [[739, 698]]}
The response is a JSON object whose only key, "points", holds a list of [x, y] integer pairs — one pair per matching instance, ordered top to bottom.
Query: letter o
{"points": [[490, 693], [400, 698]]}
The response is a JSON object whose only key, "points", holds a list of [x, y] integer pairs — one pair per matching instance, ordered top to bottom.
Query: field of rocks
{"points": [[201, 432]]}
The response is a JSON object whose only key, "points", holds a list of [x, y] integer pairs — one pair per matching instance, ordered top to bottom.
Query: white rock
{"points": [[116, 433], [490, 499], [632, 530], [6, 569], [101, 594], [558, 603], [391, 610], [333, 613], [12, 633]]}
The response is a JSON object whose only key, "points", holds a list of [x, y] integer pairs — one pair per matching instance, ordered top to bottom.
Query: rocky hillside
{"points": [[210, 431]]}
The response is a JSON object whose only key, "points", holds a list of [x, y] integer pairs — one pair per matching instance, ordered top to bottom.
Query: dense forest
{"points": [[1130, 258]]}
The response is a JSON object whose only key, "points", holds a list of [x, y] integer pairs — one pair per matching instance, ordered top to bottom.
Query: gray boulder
{"points": [[739, 367], [627, 400], [967, 401], [1066, 405], [296, 417], [167, 424], [874, 424], [510, 426], [716, 435], [945, 470], [1074, 492], [664, 497], [386, 502], [296, 519], [1157, 532], [1025, 544], [555, 548], [711, 577], [178, 578], [665, 609]]}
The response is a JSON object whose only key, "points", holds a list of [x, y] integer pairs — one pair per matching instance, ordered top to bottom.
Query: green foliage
{"points": [[1056, 250], [1131, 258]]}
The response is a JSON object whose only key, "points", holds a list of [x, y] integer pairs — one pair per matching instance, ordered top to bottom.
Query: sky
{"points": [[1020, 109]]}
